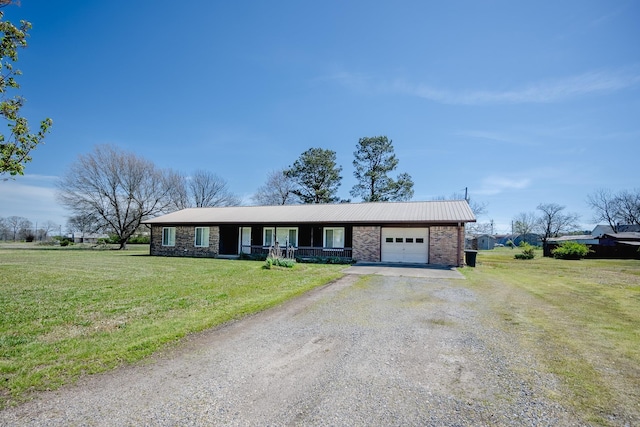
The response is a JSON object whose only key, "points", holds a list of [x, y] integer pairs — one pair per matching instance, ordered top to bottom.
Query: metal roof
{"points": [[446, 211], [627, 235], [579, 238]]}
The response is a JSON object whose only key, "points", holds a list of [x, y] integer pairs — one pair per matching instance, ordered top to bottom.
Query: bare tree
{"points": [[117, 188], [208, 189], [201, 190], [278, 190], [178, 193], [629, 206], [605, 207], [616, 208], [479, 209], [553, 221], [15, 224], [83, 224], [524, 224], [48, 227], [479, 228], [4, 229], [26, 230]]}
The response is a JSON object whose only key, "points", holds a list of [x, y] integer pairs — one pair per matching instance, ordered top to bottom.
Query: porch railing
{"points": [[305, 251]]}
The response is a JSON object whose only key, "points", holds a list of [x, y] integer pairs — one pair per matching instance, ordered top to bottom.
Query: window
{"points": [[287, 235], [169, 236], [202, 237], [334, 237], [267, 238], [398, 239], [389, 240], [409, 240], [419, 240]]}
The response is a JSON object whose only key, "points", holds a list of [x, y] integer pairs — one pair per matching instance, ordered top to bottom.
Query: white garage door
{"points": [[405, 245]]}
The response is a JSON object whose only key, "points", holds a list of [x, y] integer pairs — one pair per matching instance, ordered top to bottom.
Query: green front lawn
{"points": [[69, 312], [580, 318]]}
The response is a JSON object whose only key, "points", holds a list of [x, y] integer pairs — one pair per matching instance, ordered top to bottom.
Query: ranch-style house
{"points": [[404, 232]]}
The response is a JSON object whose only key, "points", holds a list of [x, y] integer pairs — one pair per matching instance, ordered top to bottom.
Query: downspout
{"points": [[459, 256]]}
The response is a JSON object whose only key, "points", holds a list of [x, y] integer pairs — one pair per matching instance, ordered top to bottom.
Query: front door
{"points": [[244, 240]]}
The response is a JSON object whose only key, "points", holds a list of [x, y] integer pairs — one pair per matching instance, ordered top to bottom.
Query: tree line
{"points": [[112, 191], [616, 208], [551, 220], [20, 228]]}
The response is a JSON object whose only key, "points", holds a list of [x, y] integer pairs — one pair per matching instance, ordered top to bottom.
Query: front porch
{"points": [[304, 252]]}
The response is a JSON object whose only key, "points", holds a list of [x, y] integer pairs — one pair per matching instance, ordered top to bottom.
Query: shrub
{"points": [[113, 239], [139, 240], [65, 242], [570, 250], [527, 251], [252, 257], [325, 260], [279, 262], [285, 262]]}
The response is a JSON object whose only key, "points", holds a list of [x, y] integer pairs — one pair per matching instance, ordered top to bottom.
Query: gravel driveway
{"points": [[365, 350]]}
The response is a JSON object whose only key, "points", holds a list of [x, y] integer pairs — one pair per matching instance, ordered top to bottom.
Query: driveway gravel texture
{"points": [[361, 351]]}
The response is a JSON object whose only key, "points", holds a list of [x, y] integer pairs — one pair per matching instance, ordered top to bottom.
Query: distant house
{"points": [[600, 230], [404, 232], [87, 237], [530, 238], [586, 239], [481, 242], [486, 242], [604, 243], [620, 245]]}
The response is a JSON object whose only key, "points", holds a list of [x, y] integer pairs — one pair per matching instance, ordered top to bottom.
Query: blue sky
{"points": [[521, 102]]}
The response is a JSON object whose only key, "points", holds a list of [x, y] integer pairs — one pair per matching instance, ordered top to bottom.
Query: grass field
{"points": [[69, 312], [581, 318]]}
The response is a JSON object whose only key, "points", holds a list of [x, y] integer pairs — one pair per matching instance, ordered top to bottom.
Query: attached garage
{"points": [[410, 245]]}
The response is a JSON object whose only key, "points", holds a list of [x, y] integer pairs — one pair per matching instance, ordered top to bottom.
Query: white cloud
{"points": [[555, 90], [493, 185], [32, 197]]}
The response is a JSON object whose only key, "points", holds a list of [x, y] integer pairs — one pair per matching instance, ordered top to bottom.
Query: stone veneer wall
{"points": [[185, 242], [366, 243], [446, 245]]}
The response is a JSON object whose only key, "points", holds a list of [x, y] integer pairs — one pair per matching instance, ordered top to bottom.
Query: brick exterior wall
{"points": [[185, 242], [366, 243], [446, 245]]}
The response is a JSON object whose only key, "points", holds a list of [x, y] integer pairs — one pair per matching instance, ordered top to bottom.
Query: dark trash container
{"points": [[470, 258]]}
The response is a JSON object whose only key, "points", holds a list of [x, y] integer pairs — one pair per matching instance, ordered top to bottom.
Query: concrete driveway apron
{"points": [[425, 271]]}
